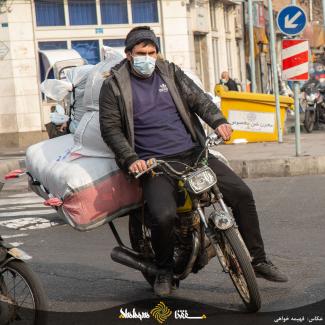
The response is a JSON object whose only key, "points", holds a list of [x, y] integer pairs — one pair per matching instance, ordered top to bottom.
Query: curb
{"points": [[281, 167], [258, 168]]}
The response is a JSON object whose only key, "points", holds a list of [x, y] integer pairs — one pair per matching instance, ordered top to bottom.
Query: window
{"points": [[114, 11], [144, 11], [82, 12], [49, 13], [226, 14], [213, 19], [114, 42], [50, 45], [53, 45], [88, 50], [229, 59]]}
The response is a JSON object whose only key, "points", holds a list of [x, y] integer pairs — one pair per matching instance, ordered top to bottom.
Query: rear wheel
{"points": [[309, 121], [240, 268], [22, 298]]}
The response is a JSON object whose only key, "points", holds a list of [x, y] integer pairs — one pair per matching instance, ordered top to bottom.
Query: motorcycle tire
{"points": [[309, 121], [137, 236], [240, 268], [34, 313]]}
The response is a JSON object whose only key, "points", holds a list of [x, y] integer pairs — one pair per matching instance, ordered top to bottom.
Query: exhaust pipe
{"points": [[133, 260]]}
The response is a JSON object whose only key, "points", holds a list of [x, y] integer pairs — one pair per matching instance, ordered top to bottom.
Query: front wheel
{"points": [[309, 122], [240, 268], [22, 297]]}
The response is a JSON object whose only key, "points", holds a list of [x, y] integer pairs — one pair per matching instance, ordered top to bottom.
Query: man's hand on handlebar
{"points": [[224, 130], [138, 166]]}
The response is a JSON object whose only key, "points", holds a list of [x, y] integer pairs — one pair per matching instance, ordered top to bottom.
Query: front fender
{"points": [[311, 108], [18, 254]]}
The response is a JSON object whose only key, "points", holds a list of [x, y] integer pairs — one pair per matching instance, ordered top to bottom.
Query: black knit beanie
{"points": [[138, 35]]}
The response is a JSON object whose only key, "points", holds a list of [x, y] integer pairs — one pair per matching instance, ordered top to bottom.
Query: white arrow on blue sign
{"points": [[291, 20]]}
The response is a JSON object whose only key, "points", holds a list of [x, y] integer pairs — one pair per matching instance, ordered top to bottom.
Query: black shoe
{"points": [[269, 271], [163, 284]]}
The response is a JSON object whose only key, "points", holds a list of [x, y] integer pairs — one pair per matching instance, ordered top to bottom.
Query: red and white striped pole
{"points": [[295, 57]]}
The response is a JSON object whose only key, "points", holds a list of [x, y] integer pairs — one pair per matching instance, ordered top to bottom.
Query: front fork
{"points": [[216, 224]]}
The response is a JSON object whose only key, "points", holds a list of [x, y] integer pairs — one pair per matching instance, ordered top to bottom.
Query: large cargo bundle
{"points": [[92, 190]]}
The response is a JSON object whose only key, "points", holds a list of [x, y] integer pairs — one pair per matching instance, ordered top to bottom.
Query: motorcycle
{"points": [[313, 102], [200, 235], [22, 297]]}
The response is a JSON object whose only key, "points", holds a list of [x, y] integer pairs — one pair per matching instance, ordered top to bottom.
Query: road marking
{"points": [[28, 194], [25, 200], [22, 207], [26, 213], [29, 223], [13, 236], [16, 243]]}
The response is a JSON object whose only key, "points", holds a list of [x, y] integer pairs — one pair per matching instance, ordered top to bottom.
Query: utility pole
{"points": [[323, 1], [251, 45], [275, 71], [296, 89]]}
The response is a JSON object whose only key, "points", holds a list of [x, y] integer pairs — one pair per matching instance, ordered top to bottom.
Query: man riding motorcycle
{"points": [[149, 108]]}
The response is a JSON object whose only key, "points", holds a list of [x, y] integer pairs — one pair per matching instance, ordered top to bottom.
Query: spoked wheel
{"points": [[309, 122], [140, 236], [240, 269], [22, 298]]}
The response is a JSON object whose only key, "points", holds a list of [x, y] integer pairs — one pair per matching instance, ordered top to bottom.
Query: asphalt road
{"points": [[79, 275]]}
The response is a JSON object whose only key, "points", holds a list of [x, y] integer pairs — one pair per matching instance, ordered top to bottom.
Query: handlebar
{"points": [[212, 140], [155, 163]]}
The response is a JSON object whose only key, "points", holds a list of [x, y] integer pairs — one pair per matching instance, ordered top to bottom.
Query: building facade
{"points": [[200, 35]]}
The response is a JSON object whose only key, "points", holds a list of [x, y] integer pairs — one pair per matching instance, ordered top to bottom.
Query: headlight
{"points": [[311, 97], [201, 180]]}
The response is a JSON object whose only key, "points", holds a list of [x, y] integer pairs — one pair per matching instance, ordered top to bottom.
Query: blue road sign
{"points": [[291, 20]]}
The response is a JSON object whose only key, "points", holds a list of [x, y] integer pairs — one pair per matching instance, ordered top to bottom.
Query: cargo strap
{"points": [[15, 174], [53, 202]]}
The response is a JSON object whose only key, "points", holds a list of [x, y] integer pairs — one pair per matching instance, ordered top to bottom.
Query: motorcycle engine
{"points": [[186, 223]]}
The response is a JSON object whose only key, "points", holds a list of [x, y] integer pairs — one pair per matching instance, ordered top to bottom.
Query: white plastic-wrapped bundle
{"points": [[97, 76], [78, 77], [74, 85], [56, 89], [88, 140], [92, 190]]}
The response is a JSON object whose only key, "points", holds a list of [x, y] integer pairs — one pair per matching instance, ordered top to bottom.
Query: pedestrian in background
{"points": [[228, 82]]}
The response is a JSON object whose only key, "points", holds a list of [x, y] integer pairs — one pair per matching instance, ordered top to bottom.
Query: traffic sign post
{"points": [[292, 21]]}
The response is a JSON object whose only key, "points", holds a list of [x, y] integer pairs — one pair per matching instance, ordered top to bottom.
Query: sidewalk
{"points": [[272, 159], [250, 160]]}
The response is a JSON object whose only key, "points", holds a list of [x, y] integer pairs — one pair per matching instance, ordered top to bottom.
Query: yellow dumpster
{"points": [[252, 115]]}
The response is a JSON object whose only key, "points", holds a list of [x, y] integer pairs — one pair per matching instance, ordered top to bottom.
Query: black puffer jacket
{"points": [[116, 112]]}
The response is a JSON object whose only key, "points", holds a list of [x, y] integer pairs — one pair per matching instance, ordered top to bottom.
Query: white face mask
{"points": [[144, 64], [224, 81]]}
